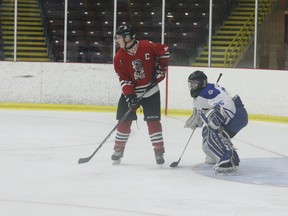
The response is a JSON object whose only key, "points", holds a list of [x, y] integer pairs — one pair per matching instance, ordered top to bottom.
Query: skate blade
{"points": [[116, 162], [231, 171]]}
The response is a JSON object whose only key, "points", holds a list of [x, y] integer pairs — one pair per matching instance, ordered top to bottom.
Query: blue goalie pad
{"points": [[219, 145]]}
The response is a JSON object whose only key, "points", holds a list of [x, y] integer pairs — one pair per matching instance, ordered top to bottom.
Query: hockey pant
{"points": [[239, 121]]}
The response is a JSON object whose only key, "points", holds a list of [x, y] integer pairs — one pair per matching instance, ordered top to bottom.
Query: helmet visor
{"points": [[193, 85]]}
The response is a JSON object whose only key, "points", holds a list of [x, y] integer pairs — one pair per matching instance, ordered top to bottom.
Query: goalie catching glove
{"points": [[194, 121]]}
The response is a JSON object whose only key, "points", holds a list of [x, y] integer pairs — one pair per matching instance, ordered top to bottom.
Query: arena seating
{"points": [[90, 25]]}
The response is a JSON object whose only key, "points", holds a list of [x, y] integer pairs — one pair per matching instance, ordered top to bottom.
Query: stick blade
{"points": [[83, 160], [174, 164]]}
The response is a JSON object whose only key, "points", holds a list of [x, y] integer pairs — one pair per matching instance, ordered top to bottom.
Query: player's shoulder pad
{"points": [[145, 41], [119, 54], [209, 92]]}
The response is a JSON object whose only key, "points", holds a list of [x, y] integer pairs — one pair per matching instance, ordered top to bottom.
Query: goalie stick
{"points": [[220, 75], [85, 160], [175, 163]]}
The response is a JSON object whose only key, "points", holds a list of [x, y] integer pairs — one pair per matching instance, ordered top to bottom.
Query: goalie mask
{"points": [[196, 82]]}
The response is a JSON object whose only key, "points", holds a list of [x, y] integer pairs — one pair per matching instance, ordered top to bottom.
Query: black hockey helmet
{"points": [[124, 30], [196, 82]]}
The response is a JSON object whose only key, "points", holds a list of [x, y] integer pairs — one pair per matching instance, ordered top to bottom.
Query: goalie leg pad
{"points": [[218, 145], [211, 158], [235, 158]]}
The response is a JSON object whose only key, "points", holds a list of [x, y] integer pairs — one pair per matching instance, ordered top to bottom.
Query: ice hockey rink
{"points": [[40, 174]]}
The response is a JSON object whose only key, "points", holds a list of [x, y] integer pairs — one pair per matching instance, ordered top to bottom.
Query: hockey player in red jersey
{"points": [[138, 64]]}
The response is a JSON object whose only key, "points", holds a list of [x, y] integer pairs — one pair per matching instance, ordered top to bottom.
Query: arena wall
{"points": [[263, 92]]}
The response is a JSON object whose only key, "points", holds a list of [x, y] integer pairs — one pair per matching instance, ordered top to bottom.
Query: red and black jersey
{"points": [[135, 71]]}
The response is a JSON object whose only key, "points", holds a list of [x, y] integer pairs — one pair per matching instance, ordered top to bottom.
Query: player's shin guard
{"points": [[122, 135], [156, 137]]}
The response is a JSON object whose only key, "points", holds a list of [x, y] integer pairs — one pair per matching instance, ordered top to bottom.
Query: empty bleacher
{"points": [[90, 26], [89, 29]]}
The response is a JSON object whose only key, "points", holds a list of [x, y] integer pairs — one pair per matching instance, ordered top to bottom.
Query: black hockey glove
{"points": [[159, 74], [132, 101]]}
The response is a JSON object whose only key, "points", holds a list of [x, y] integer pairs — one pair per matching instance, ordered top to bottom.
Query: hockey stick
{"points": [[220, 75], [85, 160], [175, 163]]}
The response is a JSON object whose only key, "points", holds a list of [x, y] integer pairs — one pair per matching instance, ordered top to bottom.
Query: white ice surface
{"points": [[40, 176]]}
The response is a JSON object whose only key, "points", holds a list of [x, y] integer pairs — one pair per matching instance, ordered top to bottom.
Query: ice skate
{"points": [[116, 157], [159, 158], [226, 169]]}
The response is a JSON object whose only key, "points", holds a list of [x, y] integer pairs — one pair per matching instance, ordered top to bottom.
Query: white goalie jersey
{"points": [[211, 96]]}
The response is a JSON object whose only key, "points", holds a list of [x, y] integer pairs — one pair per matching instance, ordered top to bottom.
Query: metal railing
{"points": [[238, 44]]}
